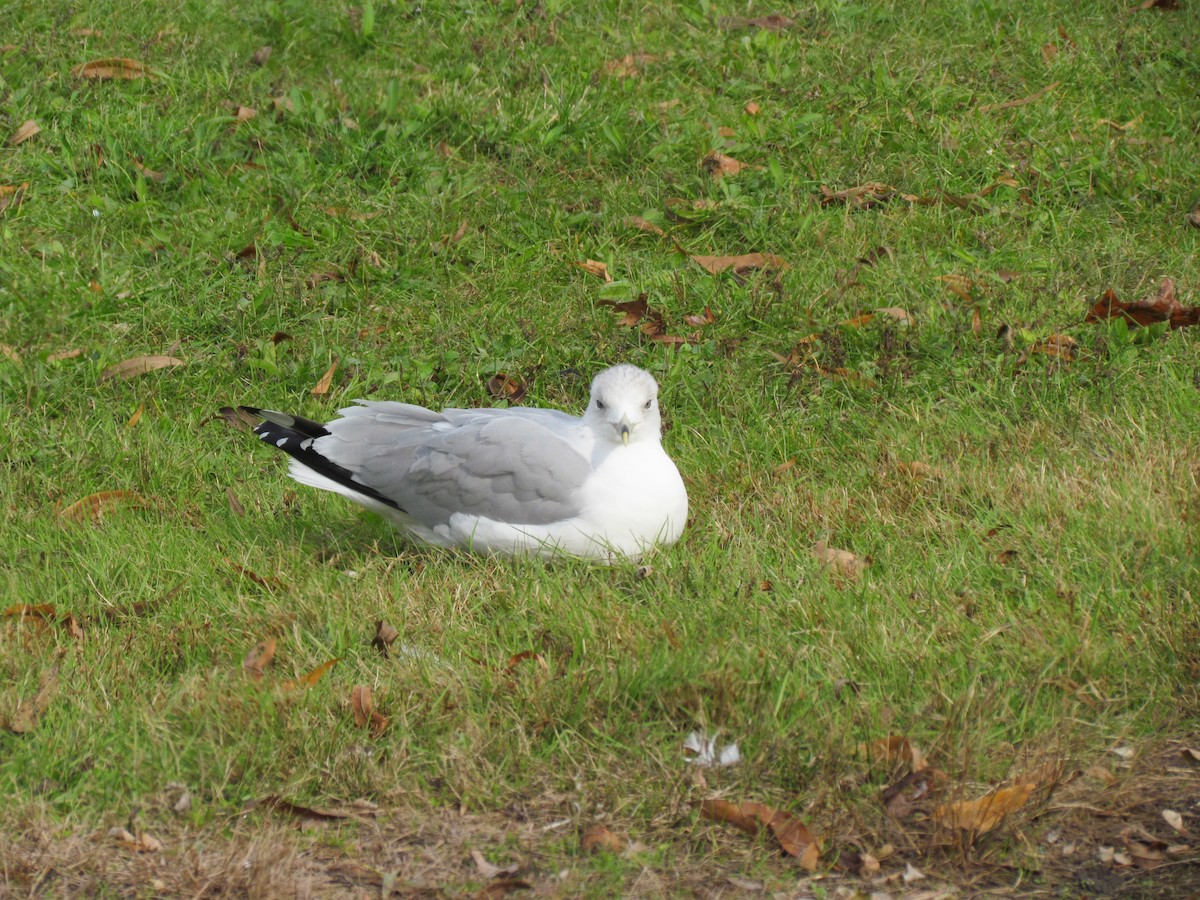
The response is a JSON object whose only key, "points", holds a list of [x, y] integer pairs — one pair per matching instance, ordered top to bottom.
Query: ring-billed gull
{"points": [[511, 480]]}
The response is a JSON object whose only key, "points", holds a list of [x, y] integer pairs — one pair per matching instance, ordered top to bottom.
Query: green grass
{"points": [[417, 119]]}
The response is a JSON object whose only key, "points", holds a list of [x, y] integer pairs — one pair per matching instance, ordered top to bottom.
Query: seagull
{"points": [[513, 481]]}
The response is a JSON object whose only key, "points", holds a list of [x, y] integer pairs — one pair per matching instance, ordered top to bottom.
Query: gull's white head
{"points": [[624, 406]]}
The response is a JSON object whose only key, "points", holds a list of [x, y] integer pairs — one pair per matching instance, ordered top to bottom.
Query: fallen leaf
{"points": [[1157, 4], [773, 22], [1049, 51], [261, 55], [628, 66], [111, 68], [1023, 101], [752, 108], [244, 114], [27, 130], [719, 165], [146, 171], [12, 195], [864, 196], [355, 216], [1192, 218], [643, 225], [449, 240], [747, 262], [599, 269], [316, 278], [959, 285], [1162, 307], [634, 310], [895, 312], [700, 320], [858, 321], [976, 322], [1062, 346], [11, 354], [139, 365], [502, 386], [322, 387], [137, 415], [234, 416], [917, 470], [96, 505], [235, 505], [841, 561], [264, 581], [42, 611], [385, 636], [259, 658], [311, 678], [364, 710], [27, 714], [892, 750], [1190, 754], [1101, 774], [900, 799], [278, 804], [983, 815], [1174, 819], [789, 831], [598, 837], [868, 865], [487, 870], [911, 873]]}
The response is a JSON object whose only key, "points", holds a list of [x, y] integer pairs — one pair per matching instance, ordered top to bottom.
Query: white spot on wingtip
{"points": [[281, 442]]}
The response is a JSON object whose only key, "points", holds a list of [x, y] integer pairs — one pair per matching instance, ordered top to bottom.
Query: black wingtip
{"points": [[294, 435]]}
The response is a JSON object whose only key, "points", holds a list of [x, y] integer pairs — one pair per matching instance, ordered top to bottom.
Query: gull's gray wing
{"points": [[507, 465]]}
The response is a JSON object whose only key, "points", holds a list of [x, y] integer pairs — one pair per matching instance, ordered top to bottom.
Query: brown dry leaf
{"points": [[1157, 4], [773, 22], [1049, 51], [261, 55], [628, 66], [111, 68], [1022, 101], [752, 108], [244, 114], [27, 130], [718, 165], [146, 171], [12, 195], [865, 196], [355, 216], [1192, 218], [643, 225], [449, 240], [747, 262], [599, 269], [316, 278], [959, 285], [1163, 307], [634, 310], [895, 312], [701, 320], [858, 321], [976, 322], [1062, 346], [11, 354], [139, 365], [502, 386], [322, 387], [137, 415], [234, 416], [917, 470], [96, 505], [235, 505], [841, 561], [263, 581], [41, 611], [385, 636], [259, 658], [518, 658], [309, 679], [361, 704], [28, 713], [896, 748], [1101, 774], [901, 798], [278, 804], [982, 815], [1174, 819], [792, 834], [598, 837], [488, 870]]}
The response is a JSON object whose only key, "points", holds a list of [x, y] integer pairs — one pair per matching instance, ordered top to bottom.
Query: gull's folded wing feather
{"points": [[509, 468]]}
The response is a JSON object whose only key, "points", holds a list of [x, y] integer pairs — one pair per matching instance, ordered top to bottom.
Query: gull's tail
{"points": [[297, 437]]}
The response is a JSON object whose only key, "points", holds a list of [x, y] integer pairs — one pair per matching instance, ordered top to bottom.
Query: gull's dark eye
{"points": [[649, 403], [599, 404]]}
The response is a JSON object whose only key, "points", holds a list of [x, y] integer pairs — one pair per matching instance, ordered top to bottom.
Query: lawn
{"points": [[942, 545]]}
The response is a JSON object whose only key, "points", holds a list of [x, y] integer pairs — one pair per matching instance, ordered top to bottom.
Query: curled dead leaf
{"points": [[628, 66], [111, 68], [752, 108], [28, 129], [718, 165], [146, 171], [12, 195], [643, 225], [747, 262], [599, 269], [1163, 307], [707, 318], [1062, 346], [139, 365], [502, 386], [321, 388], [917, 470], [94, 506], [843, 562], [270, 582], [385, 636], [259, 658], [310, 679], [29, 712], [896, 748], [279, 804], [983, 815], [789, 831], [598, 837], [488, 870]]}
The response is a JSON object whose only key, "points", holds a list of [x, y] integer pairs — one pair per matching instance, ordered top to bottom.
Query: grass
{"points": [[1033, 602]]}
